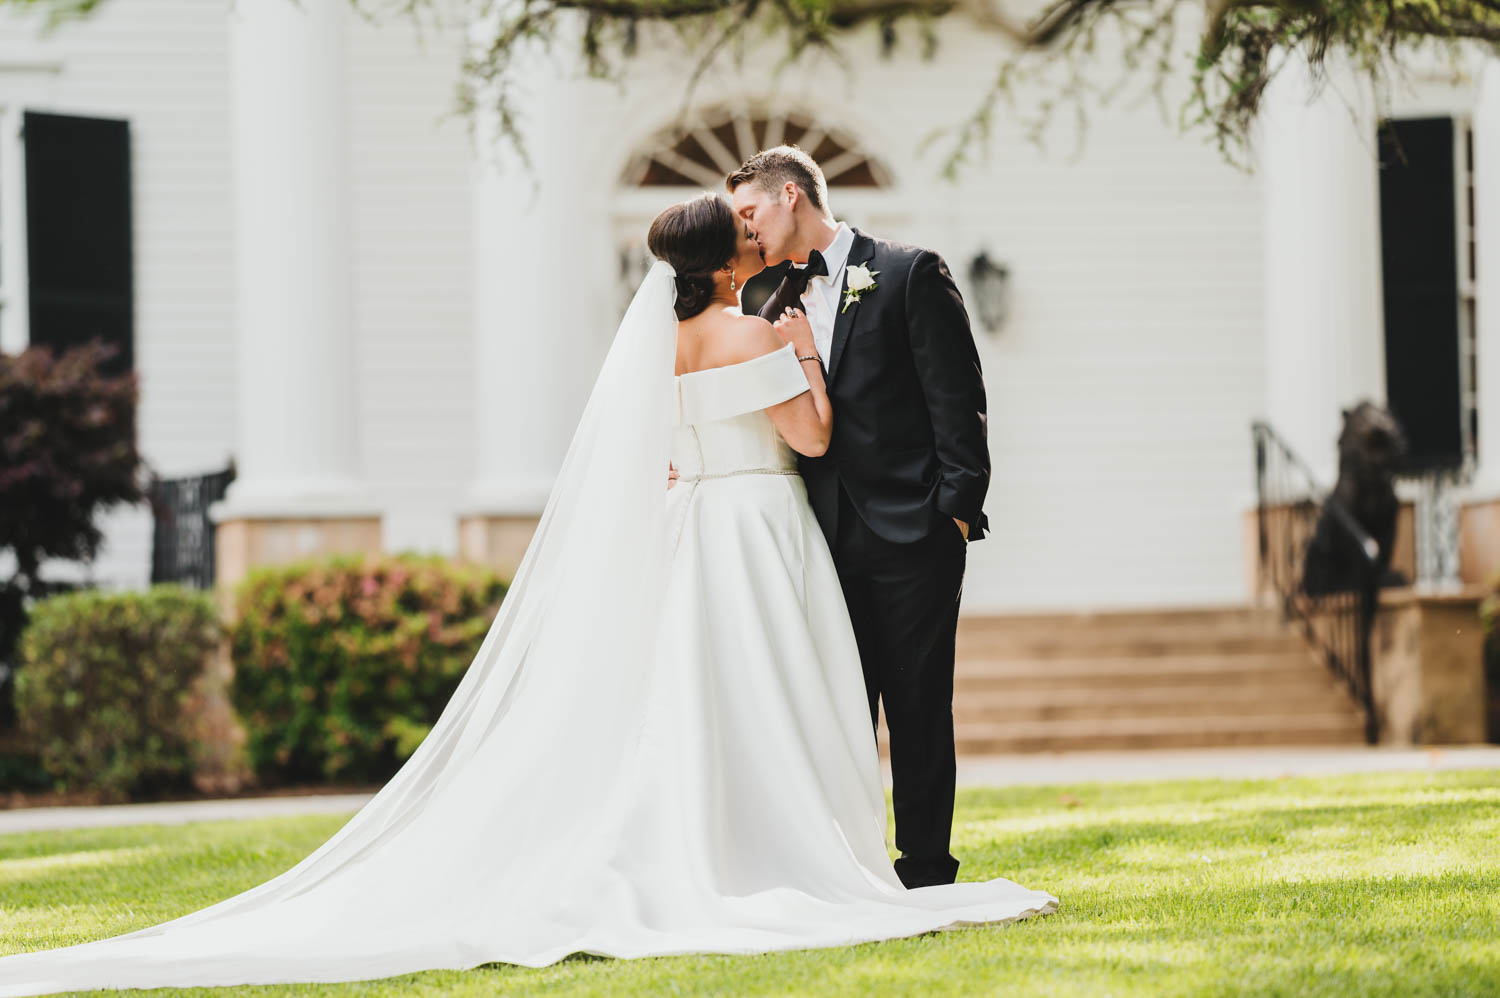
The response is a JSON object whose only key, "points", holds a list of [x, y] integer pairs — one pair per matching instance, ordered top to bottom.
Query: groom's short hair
{"points": [[772, 168]]}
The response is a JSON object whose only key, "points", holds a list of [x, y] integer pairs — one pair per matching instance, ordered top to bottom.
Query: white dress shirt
{"points": [[821, 299]]}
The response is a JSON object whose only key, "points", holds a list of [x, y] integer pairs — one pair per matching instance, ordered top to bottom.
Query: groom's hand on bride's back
{"points": [[671, 475]]}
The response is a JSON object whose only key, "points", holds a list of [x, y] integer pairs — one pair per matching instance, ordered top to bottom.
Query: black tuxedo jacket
{"points": [[908, 400]]}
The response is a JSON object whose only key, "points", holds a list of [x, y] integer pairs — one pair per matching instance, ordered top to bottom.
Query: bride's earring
{"points": [[732, 285]]}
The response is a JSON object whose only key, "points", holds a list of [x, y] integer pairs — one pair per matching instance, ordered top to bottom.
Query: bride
{"points": [[663, 745]]}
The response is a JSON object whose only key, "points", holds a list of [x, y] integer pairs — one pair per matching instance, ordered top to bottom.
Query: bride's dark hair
{"points": [[697, 237]]}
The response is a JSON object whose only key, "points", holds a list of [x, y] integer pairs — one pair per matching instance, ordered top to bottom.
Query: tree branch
{"points": [[1230, 69]]}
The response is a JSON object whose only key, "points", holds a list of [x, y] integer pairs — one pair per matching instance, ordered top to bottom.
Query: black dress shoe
{"points": [[916, 873]]}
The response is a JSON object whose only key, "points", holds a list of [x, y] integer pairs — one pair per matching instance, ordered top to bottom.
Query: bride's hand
{"points": [[794, 328]]}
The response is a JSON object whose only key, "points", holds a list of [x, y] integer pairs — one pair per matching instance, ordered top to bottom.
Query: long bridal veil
{"points": [[549, 708]]}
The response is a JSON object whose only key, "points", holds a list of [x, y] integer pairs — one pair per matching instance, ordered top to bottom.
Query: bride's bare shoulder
{"points": [[736, 338]]}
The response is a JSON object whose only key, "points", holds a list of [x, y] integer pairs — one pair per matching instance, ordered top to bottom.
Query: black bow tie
{"points": [[798, 277]]}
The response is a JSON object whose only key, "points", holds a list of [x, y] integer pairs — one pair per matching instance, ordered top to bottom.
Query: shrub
{"points": [[342, 665], [104, 681], [21, 770]]}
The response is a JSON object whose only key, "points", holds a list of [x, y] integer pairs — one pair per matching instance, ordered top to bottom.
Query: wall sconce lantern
{"points": [[991, 284]]}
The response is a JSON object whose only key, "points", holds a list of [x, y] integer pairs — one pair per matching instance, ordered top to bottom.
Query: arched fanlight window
{"points": [[701, 152]]}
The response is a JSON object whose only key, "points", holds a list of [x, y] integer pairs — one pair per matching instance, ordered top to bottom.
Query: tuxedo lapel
{"points": [[860, 251]]}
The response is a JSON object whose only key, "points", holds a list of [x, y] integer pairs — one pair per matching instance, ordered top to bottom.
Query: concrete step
{"points": [[1191, 617], [1145, 633], [1134, 644], [1259, 670], [1140, 679], [1174, 701], [1146, 731], [984, 738]]}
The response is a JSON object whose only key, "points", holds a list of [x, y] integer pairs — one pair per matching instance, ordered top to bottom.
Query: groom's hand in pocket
{"points": [[963, 528]]}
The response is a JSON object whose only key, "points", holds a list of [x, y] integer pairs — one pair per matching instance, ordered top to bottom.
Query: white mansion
{"points": [[392, 336]]}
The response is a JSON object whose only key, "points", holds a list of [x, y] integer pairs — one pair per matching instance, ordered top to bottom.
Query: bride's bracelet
{"points": [[811, 356]]}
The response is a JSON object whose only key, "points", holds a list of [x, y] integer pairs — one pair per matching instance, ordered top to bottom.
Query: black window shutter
{"points": [[78, 233], [1419, 254]]}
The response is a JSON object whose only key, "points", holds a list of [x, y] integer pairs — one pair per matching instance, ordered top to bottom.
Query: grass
{"points": [[1368, 885]]}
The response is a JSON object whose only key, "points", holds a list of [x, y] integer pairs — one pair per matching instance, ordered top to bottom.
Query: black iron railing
{"points": [[182, 548], [1334, 607]]}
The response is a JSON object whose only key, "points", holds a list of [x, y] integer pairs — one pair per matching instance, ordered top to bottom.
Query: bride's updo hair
{"points": [[697, 237]]}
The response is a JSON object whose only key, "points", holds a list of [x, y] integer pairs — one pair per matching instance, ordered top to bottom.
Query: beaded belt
{"points": [[740, 471]]}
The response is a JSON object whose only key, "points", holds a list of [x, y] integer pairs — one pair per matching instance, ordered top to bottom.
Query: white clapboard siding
{"points": [[161, 64], [413, 275], [1122, 389], [1120, 393]]}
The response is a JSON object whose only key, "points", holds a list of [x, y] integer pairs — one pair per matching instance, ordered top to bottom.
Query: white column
{"points": [[538, 269], [1487, 276], [15, 313], [1325, 339], [518, 349], [298, 442]]}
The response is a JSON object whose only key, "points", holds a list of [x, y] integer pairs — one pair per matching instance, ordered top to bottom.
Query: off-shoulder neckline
{"points": [[725, 367]]}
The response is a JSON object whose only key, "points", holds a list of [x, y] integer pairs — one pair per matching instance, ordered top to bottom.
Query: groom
{"points": [[899, 492]]}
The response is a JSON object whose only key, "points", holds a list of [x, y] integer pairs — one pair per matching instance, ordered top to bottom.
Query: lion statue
{"points": [[1371, 446]]}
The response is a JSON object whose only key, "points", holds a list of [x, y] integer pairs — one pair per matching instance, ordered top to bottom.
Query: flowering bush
{"points": [[342, 665]]}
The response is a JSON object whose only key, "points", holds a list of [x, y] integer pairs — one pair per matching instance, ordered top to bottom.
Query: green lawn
{"points": [[1372, 885]]}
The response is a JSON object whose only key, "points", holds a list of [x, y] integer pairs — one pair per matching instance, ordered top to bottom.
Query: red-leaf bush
{"points": [[67, 451]]}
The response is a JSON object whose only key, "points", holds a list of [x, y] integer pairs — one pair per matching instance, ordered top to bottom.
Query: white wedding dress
{"points": [[663, 746]]}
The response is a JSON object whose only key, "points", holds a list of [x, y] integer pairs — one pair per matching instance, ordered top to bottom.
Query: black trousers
{"points": [[903, 601]]}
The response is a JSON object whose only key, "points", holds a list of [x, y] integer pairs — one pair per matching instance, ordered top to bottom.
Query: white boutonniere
{"points": [[860, 279]]}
